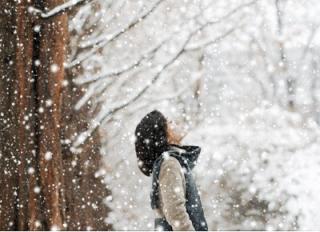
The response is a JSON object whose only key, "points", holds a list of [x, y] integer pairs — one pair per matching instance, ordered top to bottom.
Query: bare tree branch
{"points": [[310, 39]]}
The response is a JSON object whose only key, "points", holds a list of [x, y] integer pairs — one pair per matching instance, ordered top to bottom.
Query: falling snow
{"points": [[54, 68], [238, 78], [48, 155]]}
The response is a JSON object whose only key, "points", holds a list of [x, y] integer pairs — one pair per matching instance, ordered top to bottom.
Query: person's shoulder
{"points": [[170, 162], [171, 171]]}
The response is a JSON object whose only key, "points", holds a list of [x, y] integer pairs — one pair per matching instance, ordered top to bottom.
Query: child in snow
{"points": [[174, 195]]}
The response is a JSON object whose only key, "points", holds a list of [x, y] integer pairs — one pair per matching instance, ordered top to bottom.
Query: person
{"points": [[174, 195]]}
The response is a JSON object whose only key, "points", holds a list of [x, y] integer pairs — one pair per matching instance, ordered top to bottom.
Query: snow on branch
{"points": [[113, 6], [56, 10], [231, 13], [108, 39], [310, 39], [202, 44], [146, 56], [171, 61], [92, 89], [171, 96], [104, 115]]}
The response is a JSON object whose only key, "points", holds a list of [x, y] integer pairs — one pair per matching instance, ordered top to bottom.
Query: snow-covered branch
{"points": [[58, 9], [229, 14], [109, 16], [109, 38], [310, 39], [207, 42], [149, 53], [156, 100], [102, 116]]}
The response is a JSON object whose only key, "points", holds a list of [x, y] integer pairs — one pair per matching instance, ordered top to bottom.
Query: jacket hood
{"points": [[189, 154]]}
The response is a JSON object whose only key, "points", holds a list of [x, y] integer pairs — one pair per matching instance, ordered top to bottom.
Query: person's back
{"points": [[174, 195]]}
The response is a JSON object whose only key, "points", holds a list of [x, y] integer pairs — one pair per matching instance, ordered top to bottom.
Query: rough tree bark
{"points": [[44, 185]]}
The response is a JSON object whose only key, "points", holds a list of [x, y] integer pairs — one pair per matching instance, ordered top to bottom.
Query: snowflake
{"points": [[48, 155]]}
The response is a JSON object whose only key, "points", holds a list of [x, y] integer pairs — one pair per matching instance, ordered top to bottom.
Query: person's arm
{"points": [[172, 192]]}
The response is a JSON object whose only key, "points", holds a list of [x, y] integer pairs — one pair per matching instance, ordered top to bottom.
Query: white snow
{"points": [[54, 68], [48, 155], [31, 170], [36, 189]]}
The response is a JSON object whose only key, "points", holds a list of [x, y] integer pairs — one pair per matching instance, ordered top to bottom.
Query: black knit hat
{"points": [[151, 140]]}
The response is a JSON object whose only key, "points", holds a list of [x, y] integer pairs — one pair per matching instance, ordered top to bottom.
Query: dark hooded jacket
{"points": [[187, 157]]}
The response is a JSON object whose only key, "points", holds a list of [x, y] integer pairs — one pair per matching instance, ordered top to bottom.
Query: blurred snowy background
{"points": [[240, 77]]}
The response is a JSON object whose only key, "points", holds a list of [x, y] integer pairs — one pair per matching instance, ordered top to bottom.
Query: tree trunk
{"points": [[42, 188]]}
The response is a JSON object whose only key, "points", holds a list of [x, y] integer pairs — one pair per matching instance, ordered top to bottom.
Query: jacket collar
{"points": [[190, 154]]}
